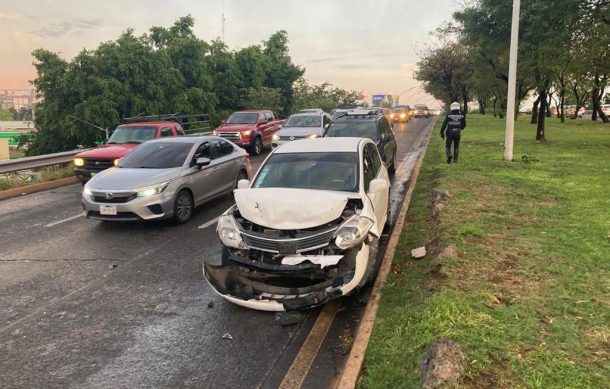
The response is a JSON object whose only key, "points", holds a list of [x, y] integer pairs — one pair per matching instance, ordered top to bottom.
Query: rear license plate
{"points": [[109, 210]]}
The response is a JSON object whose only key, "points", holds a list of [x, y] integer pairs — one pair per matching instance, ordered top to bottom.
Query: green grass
{"points": [[528, 297]]}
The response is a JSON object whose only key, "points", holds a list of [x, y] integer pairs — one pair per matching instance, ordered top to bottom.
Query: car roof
{"points": [[252, 111], [309, 114], [147, 124], [321, 145]]}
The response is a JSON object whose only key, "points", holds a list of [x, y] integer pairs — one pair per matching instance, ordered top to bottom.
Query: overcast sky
{"points": [[355, 44]]}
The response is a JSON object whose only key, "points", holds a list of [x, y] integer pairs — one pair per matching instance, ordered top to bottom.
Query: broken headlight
{"points": [[352, 232], [229, 233]]}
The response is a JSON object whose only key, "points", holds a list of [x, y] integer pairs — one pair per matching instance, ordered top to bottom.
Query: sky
{"points": [[369, 46]]}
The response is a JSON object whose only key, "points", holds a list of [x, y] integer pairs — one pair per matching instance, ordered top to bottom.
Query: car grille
{"points": [[232, 136], [291, 137], [98, 164], [114, 198], [308, 242]]}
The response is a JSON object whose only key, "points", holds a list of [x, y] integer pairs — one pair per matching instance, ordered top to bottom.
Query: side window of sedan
{"points": [[384, 126], [222, 148], [203, 151], [376, 159], [368, 168]]}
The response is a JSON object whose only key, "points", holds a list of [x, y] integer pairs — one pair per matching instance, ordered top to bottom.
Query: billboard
{"points": [[379, 99]]}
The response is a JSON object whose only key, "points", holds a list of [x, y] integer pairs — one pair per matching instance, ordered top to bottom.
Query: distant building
{"points": [[16, 98]]}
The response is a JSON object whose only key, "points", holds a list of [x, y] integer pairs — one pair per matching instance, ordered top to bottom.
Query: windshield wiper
{"points": [[133, 141], [111, 143]]}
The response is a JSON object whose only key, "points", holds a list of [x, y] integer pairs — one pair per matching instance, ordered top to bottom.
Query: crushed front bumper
{"points": [[281, 287]]}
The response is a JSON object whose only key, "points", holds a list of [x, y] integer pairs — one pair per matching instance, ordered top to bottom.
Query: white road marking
{"points": [[65, 220], [210, 223]]}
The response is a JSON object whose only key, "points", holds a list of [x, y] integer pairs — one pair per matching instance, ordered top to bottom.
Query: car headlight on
{"points": [[391, 116], [402, 116], [214, 132], [312, 136], [275, 137], [79, 162], [116, 162], [151, 190], [87, 191], [352, 232], [229, 233]]}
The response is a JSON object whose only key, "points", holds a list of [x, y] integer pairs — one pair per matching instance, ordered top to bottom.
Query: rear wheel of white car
{"points": [[392, 168], [183, 207]]}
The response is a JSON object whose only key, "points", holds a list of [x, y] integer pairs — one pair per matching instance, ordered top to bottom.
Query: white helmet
{"points": [[454, 106]]}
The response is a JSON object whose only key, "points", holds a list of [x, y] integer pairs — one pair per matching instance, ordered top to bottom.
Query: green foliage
{"points": [[167, 70], [323, 96], [263, 98]]}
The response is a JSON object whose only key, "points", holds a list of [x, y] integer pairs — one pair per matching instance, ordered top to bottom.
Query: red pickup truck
{"points": [[251, 129], [123, 140]]}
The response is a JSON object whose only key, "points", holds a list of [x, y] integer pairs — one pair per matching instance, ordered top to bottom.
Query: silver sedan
{"points": [[166, 178]]}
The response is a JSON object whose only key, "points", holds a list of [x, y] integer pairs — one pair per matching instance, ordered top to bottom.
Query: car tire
{"points": [[257, 146], [392, 168], [242, 175], [183, 207], [372, 265]]}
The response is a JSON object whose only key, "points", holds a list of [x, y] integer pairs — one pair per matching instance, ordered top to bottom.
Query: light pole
{"points": [[512, 81]]}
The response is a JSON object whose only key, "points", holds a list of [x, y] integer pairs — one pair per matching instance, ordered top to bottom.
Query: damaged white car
{"points": [[305, 230]]}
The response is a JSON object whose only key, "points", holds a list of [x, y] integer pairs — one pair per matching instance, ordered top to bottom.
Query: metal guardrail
{"points": [[15, 165]]}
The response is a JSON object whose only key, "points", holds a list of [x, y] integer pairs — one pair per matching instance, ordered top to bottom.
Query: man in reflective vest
{"points": [[454, 123]]}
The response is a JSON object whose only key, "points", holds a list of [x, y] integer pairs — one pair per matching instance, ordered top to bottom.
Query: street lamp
{"points": [[512, 81]]}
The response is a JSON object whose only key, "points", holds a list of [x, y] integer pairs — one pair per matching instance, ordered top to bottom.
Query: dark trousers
{"points": [[452, 137]]}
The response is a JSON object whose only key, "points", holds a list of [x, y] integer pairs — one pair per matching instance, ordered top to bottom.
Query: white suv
{"points": [[305, 230]]}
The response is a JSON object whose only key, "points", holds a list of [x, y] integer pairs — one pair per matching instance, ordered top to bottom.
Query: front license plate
{"points": [[109, 210]]}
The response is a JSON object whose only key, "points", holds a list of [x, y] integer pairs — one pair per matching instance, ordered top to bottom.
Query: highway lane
{"points": [[90, 304]]}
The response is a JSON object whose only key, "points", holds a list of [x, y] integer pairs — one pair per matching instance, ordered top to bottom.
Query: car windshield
{"points": [[421, 107], [399, 110], [242, 118], [304, 121], [355, 129], [132, 134], [157, 155], [321, 171]]}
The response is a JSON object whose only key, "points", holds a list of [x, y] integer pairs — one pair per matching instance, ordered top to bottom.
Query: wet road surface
{"points": [[100, 305]]}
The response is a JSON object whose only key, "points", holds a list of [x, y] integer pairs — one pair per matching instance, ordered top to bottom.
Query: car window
{"points": [[268, 116], [242, 118], [303, 121], [384, 126], [179, 129], [365, 129], [166, 131], [132, 134], [222, 148], [203, 151], [157, 155], [376, 159], [368, 168], [321, 171]]}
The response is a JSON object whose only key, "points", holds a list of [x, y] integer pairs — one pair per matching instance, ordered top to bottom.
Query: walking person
{"points": [[454, 123]]}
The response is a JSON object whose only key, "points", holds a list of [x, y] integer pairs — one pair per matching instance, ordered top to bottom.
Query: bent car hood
{"points": [[299, 131], [108, 151], [128, 179], [290, 209]]}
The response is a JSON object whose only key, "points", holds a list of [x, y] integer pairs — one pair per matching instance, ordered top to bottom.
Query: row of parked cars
{"points": [[304, 229]]}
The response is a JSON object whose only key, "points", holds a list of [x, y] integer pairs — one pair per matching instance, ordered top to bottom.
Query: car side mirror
{"points": [[223, 122], [386, 137], [201, 162], [243, 184], [378, 185]]}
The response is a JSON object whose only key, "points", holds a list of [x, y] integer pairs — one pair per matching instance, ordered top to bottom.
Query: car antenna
{"points": [[91, 124]]}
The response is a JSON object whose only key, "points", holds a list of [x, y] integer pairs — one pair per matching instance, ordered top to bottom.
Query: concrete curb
{"points": [[5, 194], [353, 364]]}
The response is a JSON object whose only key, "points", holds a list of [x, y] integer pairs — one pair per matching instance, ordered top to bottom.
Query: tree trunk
{"points": [[465, 98], [495, 100], [562, 100], [482, 104], [593, 105], [548, 106], [597, 108], [535, 111], [541, 117]]}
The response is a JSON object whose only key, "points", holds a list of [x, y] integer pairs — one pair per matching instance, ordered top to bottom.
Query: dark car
{"points": [[420, 110], [372, 124]]}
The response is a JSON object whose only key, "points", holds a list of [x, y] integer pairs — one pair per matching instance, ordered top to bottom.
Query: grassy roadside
{"points": [[52, 173], [527, 296]]}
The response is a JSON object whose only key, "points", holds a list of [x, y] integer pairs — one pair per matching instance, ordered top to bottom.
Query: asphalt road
{"points": [[97, 305]]}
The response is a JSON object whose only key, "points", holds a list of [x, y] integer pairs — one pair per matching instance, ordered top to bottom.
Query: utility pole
{"points": [[223, 22], [512, 84]]}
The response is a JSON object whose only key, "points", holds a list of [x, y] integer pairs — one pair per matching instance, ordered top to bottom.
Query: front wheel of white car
{"points": [[373, 264]]}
